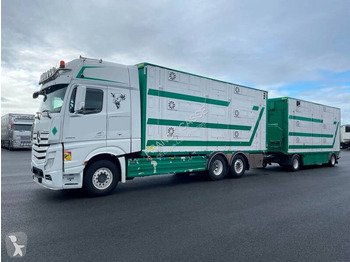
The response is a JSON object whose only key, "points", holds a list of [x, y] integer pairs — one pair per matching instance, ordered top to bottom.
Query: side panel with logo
{"points": [[119, 118]]}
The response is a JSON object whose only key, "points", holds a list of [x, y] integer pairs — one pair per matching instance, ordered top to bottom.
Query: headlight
{"points": [[49, 163]]}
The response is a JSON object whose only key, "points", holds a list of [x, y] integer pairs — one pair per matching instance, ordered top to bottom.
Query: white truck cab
{"points": [[90, 109]]}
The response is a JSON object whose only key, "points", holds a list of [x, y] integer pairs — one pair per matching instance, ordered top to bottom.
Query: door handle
{"points": [[101, 133]]}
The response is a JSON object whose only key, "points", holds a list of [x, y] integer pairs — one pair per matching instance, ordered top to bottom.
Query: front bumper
{"points": [[22, 146], [54, 176], [48, 180]]}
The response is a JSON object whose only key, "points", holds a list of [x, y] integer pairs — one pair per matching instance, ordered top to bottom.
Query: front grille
{"points": [[40, 147]]}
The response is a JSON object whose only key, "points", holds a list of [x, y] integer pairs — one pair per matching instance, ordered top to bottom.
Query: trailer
{"points": [[115, 122], [16, 131], [301, 133], [345, 136]]}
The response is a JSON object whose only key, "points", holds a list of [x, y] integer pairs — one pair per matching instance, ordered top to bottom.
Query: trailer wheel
{"points": [[332, 160], [295, 163], [238, 166], [217, 168], [101, 178]]}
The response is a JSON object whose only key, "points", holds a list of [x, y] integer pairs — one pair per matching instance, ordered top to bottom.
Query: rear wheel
{"points": [[332, 160], [295, 163], [238, 166], [217, 168], [101, 178]]}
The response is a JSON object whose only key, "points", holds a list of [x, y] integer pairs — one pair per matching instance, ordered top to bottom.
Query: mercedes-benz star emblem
{"points": [[38, 137]]}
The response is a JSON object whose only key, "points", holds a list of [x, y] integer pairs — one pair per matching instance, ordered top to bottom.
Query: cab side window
{"points": [[72, 101], [93, 101]]}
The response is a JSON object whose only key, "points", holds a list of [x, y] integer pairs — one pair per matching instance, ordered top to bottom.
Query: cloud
{"points": [[265, 44], [338, 96], [5, 100]]}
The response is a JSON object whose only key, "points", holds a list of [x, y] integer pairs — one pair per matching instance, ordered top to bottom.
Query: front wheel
{"points": [[101, 178]]}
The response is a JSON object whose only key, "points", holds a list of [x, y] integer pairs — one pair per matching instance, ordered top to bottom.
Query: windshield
{"points": [[53, 98], [18, 127]]}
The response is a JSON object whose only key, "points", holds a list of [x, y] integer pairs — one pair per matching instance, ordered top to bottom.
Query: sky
{"points": [[289, 48]]}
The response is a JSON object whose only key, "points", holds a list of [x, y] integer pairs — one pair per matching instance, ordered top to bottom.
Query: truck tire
{"points": [[332, 160], [295, 163], [238, 166], [217, 168], [101, 178]]}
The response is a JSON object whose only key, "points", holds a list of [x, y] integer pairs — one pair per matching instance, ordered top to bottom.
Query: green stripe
{"points": [[80, 75], [154, 92], [255, 108], [306, 119], [167, 122], [310, 134], [208, 143], [309, 146], [316, 146], [193, 152]]}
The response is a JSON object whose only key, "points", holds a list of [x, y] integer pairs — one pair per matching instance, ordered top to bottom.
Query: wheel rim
{"points": [[295, 163], [238, 166], [218, 167], [102, 178]]}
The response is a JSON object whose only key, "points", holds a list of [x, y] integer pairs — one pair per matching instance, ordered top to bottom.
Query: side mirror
{"points": [[35, 95], [79, 104]]}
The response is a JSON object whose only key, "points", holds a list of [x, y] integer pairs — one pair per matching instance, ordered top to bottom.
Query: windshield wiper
{"points": [[48, 113]]}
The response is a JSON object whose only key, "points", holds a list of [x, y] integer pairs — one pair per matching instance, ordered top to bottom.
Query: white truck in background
{"points": [[101, 123], [16, 131], [345, 136]]}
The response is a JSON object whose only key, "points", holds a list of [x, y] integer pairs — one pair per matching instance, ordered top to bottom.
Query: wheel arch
{"points": [[115, 155], [212, 155]]}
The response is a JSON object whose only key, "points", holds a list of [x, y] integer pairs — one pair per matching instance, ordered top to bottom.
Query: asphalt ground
{"points": [[268, 215]]}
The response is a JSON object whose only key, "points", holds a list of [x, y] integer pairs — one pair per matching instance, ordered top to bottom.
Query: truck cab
{"points": [[90, 111], [16, 131], [345, 136]]}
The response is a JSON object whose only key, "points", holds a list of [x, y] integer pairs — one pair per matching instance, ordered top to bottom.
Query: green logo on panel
{"points": [[54, 131]]}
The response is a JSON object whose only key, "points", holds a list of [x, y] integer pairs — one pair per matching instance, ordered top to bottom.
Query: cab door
{"points": [[87, 128]]}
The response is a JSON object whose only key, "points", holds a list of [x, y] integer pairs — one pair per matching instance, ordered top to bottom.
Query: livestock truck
{"points": [[102, 123], [16, 131], [301, 133], [345, 136]]}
